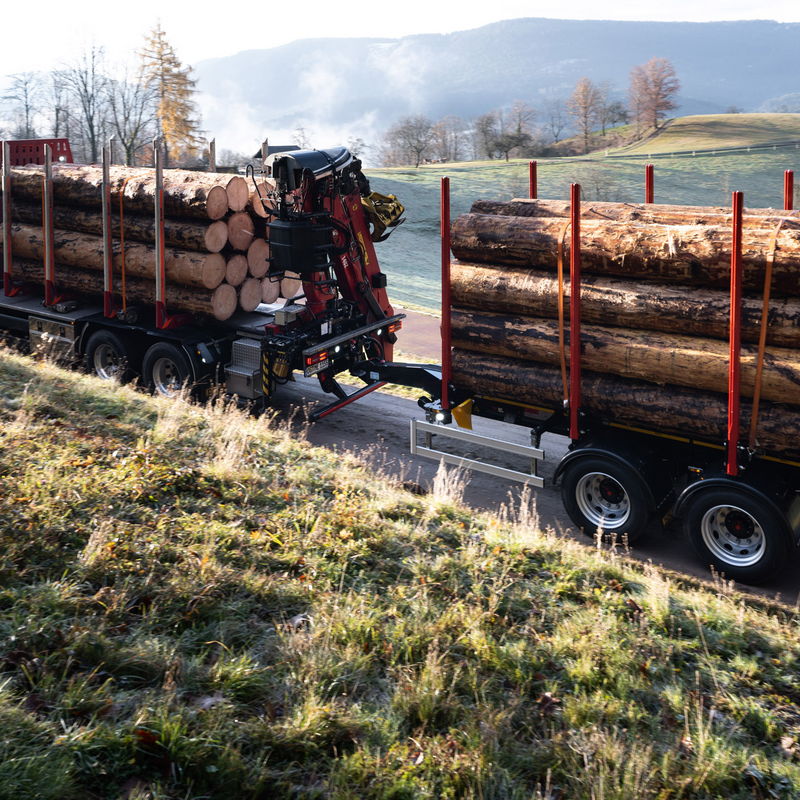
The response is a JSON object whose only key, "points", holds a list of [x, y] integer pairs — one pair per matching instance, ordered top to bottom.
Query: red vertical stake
{"points": [[533, 181], [649, 181], [788, 190], [446, 298], [575, 312], [734, 365]]}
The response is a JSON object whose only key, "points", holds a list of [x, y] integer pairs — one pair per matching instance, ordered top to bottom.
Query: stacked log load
{"points": [[216, 236], [655, 313]]}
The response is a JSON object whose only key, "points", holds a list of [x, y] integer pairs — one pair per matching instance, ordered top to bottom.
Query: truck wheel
{"points": [[108, 357], [166, 369], [602, 495], [738, 534]]}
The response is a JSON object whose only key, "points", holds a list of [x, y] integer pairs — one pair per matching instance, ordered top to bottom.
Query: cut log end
{"points": [[238, 193], [259, 199], [217, 202], [240, 231], [216, 236], [257, 255], [236, 270], [213, 272], [290, 285], [270, 291], [250, 294], [223, 301]]}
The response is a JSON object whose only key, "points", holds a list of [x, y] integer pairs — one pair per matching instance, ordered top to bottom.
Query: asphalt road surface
{"points": [[376, 428]]}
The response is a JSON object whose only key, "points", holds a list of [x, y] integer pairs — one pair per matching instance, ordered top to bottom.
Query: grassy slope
{"points": [[707, 131], [194, 604]]}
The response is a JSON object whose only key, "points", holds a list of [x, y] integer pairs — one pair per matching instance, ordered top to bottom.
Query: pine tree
{"points": [[174, 89]]}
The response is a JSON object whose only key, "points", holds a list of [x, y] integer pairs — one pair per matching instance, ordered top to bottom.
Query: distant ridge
{"points": [[358, 86]]}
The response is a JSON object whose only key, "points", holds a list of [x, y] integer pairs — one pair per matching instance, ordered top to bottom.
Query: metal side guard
{"points": [[383, 211], [427, 450]]}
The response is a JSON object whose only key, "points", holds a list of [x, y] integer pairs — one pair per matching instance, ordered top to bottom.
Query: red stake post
{"points": [[533, 180], [649, 180], [788, 190], [446, 300], [575, 312], [734, 362]]}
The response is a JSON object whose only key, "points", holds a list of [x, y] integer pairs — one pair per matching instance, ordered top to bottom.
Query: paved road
{"points": [[377, 428]]}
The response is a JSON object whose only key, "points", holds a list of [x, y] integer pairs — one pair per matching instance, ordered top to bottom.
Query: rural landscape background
{"points": [[197, 604]]}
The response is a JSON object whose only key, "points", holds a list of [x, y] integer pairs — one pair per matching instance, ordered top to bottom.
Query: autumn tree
{"points": [[174, 90], [652, 91], [584, 107]]}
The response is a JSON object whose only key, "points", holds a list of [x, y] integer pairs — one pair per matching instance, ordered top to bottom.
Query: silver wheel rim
{"points": [[108, 362], [166, 377], [603, 501], [733, 535]]}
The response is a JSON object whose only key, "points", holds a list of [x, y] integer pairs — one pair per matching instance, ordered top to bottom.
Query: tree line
{"points": [[89, 101], [525, 131]]}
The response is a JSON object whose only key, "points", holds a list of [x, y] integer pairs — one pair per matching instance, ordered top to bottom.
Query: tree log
{"points": [[238, 193], [196, 195], [261, 197], [655, 213], [240, 230], [199, 236], [86, 252], [688, 254], [258, 257], [236, 269], [290, 285], [270, 291], [250, 294], [608, 301], [221, 303], [661, 358], [678, 411]]}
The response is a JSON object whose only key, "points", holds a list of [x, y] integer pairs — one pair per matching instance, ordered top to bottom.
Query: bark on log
{"points": [[238, 193], [187, 194], [261, 197], [655, 213], [240, 231], [198, 236], [86, 252], [686, 254], [258, 257], [236, 270], [290, 285], [270, 291], [250, 294], [609, 301], [221, 303], [661, 358], [683, 412]]}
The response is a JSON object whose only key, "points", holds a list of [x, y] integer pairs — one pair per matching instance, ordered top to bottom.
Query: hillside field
{"points": [[411, 255], [195, 603]]}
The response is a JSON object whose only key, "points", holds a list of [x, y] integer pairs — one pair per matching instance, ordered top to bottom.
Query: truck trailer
{"points": [[739, 508]]}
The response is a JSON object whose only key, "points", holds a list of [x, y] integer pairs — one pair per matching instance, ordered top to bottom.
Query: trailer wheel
{"points": [[108, 357], [166, 369], [603, 496], [737, 534]]}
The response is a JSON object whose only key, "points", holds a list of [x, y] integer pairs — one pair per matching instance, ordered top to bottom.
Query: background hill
{"points": [[342, 88]]}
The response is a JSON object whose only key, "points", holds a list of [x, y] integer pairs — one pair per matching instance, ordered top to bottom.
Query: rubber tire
{"points": [[109, 339], [179, 364], [641, 510], [776, 550]]}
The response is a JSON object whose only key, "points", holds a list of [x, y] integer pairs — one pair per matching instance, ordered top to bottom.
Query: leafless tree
{"points": [[86, 82], [652, 91], [23, 100], [584, 107], [131, 109], [555, 116], [487, 128], [300, 137], [448, 139], [409, 140], [357, 146]]}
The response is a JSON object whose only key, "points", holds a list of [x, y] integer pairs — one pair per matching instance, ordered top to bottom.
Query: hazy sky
{"points": [[244, 24]]}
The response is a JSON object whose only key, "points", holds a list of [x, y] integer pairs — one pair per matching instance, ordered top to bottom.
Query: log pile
{"points": [[215, 231], [655, 313]]}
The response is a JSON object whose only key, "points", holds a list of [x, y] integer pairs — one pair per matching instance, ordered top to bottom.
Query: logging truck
{"points": [[519, 343]]}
